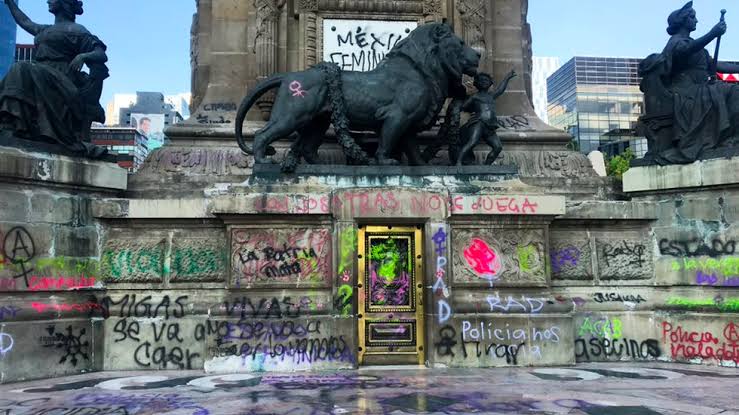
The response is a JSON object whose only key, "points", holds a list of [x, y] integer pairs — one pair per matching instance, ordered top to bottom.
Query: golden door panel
{"points": [[390, 304]]}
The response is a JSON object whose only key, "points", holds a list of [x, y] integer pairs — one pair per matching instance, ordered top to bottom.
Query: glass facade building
{"points": [[8, 31], [598, 101]]}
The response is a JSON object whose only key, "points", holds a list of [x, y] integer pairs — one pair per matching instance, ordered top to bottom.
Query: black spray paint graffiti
{"points": [[372, 48], [514, 122], [696, 247], [19, 249], [633, 254], [279, 262], [619, 298], [127, 306], [267, 308], [278, 340], [446, 343], [72, 345], [605, 348], [156, 354]]}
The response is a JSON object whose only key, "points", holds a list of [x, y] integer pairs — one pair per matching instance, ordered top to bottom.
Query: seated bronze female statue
{"points": [[51, 99], [687, 111]]}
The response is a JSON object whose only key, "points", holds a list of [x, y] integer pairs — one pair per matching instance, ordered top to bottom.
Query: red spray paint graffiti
{"points": [[483, 259]]}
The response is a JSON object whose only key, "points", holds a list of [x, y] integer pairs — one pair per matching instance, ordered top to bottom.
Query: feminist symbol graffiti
{"points": [[297, 89], [20, 250]]}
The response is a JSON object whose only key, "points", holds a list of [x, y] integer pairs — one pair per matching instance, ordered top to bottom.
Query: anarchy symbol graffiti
{"points": [[19, 249]]}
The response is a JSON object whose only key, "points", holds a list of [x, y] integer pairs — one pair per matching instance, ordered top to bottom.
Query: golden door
{"points": [[390, 295]]}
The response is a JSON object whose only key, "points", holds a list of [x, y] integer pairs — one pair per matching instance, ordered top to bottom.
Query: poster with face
{"points": [[359, 45], [150, 126]]}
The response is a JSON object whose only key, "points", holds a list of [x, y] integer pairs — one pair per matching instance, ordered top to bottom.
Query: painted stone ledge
{"points": [[19, 164], [699, 174], [361, 202], [150, 208], [611, 210]]}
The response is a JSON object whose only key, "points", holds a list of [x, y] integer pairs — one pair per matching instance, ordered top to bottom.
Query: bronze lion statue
{"points": [[399, 98]]}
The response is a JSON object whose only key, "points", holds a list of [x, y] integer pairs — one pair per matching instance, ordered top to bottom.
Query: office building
{"points": [[8, 31], [25, 52], [543, 68], [598, 101], [180, 103], [148, 112], [129, 146]]}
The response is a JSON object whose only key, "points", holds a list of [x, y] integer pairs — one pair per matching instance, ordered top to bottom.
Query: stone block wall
{"points": [[49, 263], [264, 277]]}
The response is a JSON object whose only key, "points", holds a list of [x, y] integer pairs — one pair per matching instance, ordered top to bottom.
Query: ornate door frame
{"points": [[390, 318]]}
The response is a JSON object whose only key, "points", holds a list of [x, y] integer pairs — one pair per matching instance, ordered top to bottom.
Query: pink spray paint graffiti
{"points": [[297, 89], [483, 260]]}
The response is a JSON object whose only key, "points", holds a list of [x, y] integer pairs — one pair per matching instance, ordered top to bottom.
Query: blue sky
{"points": [[623, 28], [149, 40]]}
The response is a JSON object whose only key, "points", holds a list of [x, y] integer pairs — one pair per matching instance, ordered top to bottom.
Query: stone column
{"points": [[505, 32], [265, 45], [200, 51], [225, 60]]}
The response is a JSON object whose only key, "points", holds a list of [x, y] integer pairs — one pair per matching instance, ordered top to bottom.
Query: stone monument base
{"points": [[49, 262]]}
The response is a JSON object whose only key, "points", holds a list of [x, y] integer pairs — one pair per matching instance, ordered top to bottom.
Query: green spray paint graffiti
{"points": [[347, 248], [526, 258], [190, 262], [133, 263], [141, 263], [727, 266], [344, 300], [726, 305], [608, 328]]}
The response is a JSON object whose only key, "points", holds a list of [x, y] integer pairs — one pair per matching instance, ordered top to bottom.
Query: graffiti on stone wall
{"points": [[381, 202], [697, 247], [347, 253], [283, 256], [494, 256], [570, 258], [624, 259], [132, 261], [22, 268], [722, 271], [440, 290], [614, 297], [511, 304], [727, 305], [266, 308], [609, 328], [152, 331], [494, 341], [72, 342], [6, 343], [686, 344], [264, 345], [599, 349]]}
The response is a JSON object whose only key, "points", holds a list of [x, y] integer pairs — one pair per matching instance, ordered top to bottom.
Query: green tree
{"points": [[617, 165]]}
